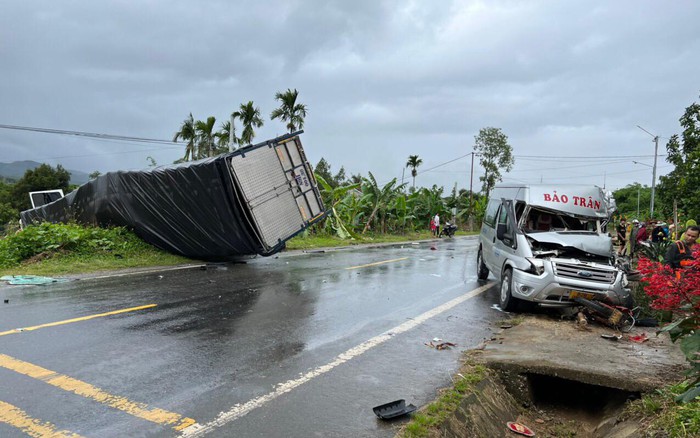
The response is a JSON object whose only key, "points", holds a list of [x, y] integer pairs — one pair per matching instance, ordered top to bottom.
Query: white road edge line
{"points": [[145, 271], [239, 410]]}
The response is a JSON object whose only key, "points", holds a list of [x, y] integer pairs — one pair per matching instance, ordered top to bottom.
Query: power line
{"points": [[87, 134]]}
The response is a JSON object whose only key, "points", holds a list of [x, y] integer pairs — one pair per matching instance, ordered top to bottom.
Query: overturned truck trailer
{"points": [[241, 203]]}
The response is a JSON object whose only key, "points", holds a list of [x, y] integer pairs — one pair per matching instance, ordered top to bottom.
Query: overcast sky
{"points": [[382, 80]]}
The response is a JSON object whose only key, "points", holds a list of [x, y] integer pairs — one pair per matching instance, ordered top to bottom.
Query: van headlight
{"points": [[536, 266]]}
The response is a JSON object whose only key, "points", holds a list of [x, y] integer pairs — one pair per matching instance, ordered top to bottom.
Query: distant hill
{"points": [[16, 169]]}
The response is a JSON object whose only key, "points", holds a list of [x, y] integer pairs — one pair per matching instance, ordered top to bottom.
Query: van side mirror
{"points": [[501, 231]]}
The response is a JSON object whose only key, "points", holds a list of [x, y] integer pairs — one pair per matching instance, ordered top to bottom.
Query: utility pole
{"points": [[231, 135], [471, 180], [653, 181]]}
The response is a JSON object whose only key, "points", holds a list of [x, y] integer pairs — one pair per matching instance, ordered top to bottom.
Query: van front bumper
{"points": [[551, 290]]}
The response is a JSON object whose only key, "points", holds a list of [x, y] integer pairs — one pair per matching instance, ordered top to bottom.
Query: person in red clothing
{"points": [[642, 234]]}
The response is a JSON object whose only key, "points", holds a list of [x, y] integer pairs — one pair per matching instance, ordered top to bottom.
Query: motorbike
{"points": [[448, 230]]}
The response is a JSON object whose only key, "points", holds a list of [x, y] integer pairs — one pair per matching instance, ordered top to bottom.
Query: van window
{"points": [[490, 214], [503, 219]]}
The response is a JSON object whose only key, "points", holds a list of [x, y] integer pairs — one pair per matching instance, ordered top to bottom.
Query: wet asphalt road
{"points": [[300, 345]]}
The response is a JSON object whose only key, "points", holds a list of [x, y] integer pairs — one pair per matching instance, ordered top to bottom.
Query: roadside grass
{"points": [[59, 249], [63, 249], [85, 264], [660, 415], [426, 421]]}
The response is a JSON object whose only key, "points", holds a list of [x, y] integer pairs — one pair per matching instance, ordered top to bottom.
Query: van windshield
{"points": [[538, 220]]}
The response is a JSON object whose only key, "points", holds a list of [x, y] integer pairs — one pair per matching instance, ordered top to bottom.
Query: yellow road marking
{"points": [[377, 263], [82, 318], [141, 410], [16, 417]]}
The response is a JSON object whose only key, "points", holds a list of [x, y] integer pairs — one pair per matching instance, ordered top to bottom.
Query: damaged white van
{"points": [[547, 245]]}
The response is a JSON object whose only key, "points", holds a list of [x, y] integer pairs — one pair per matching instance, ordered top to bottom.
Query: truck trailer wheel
{"points": [[482, 272], [507, 301]]}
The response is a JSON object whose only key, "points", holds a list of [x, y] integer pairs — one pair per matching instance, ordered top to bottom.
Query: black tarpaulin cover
{"points": [[196, 209]]}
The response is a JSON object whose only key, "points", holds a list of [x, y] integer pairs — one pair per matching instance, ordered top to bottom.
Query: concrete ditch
{"points": [[561, 380]]}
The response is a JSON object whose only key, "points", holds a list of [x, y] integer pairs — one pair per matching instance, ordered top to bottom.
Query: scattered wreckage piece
{"points": [[243, 203], [393, 409]]}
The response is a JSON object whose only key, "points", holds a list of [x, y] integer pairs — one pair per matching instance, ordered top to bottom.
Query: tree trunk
{"points": [[369, 221]]}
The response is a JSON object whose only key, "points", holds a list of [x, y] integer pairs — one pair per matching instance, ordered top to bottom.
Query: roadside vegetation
{"points": [[59, 249], [661, 415], [428, 419]]}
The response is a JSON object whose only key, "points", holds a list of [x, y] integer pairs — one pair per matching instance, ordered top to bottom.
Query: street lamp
{"points": [[653, 180], [639, 188]]}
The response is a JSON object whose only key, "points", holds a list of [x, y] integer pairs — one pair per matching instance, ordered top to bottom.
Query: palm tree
{"points": [[290, 111], [249, 116], [187, 133], [205, 135], [226, 136], [413, 163]]}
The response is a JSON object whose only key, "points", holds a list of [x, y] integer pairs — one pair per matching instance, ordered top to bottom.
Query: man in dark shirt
{"points": [[621, 234], [682, 250]]}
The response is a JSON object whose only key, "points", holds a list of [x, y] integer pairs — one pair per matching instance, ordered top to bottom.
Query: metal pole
{"points": [[231, 135], [471, 180], [653, 181], [638, 187]]}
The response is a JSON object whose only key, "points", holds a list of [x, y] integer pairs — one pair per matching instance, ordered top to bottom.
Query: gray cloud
{"points": [[382, 79]]}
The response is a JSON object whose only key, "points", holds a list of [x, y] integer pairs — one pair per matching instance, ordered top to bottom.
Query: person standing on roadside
{"points": [[436, 219], [689, 223], [621, 234], [642, 235], [632, 238], [682, 250]]}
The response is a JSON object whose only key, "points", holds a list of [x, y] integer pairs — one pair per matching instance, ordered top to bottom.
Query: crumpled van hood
{"points": [[593, 243]]}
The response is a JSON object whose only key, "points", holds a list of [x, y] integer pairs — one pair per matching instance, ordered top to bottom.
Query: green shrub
{"points": [[48, 239]]}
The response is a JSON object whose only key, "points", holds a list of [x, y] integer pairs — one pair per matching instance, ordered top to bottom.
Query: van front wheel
{"points": [[507, 301]]}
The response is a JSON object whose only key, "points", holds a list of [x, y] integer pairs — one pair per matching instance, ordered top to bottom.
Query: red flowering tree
{"points": [[678, 292]]}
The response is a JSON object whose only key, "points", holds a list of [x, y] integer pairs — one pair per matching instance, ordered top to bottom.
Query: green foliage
{"points": [[289, 110], [249, 115], [494, 154], [413, 162], [323, 169], [43, 177], [681, 184], [632, 196], [8, 213], [46, 240], [656, 250], [663, 416], [425, 422]]}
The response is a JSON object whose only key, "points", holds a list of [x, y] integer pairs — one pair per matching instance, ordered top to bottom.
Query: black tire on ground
{"points": [[482, 272], [506, 299]]}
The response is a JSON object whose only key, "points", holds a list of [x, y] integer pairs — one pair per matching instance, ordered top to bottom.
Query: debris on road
{"points": [[30, 279], [581, 321], [611, 337], [640, 338], [438, 344], [393, 409], [520, 429]]}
